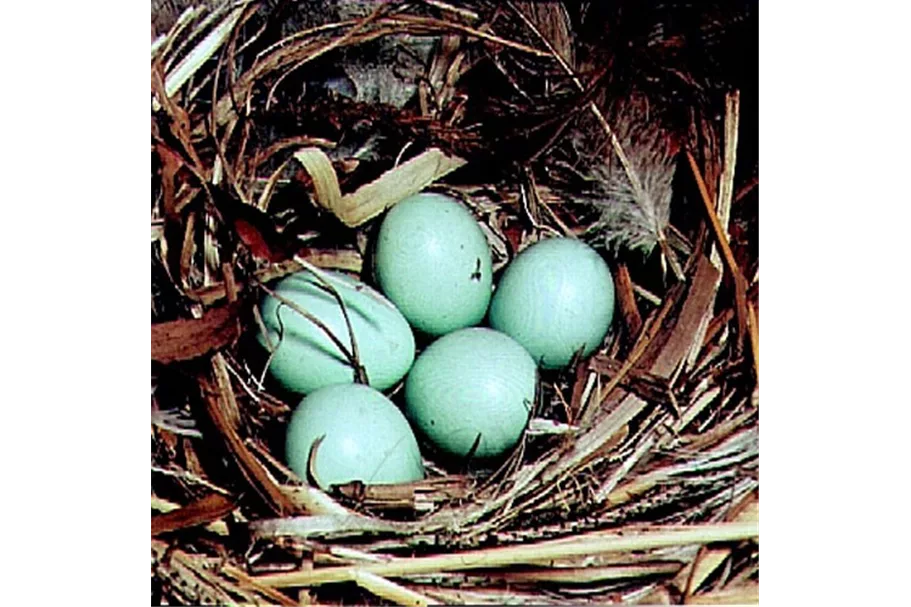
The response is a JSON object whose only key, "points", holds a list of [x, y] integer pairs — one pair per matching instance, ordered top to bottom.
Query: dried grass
{"points": [[639, 482]]}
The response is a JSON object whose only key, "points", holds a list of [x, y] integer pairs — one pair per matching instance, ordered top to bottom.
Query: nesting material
{"points": [[633, 477]]}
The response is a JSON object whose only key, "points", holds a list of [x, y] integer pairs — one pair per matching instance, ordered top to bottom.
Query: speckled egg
{"points": [[433, 262], [555, 298], [306, 359], [472, 385], [367, 438]]}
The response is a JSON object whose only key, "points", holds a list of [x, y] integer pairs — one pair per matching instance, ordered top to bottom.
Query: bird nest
{"points": [[280, 134]]}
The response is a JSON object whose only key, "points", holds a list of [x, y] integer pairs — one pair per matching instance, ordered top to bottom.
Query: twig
{"points": [[462, 12], [740, 285], [348, 354], [360, 373], [582, 545], [244, 579]]}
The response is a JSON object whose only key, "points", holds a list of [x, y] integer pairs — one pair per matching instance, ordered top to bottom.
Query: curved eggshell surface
{"points": [[433, 262], [555, 298], [306, 359], [471, 383], [366, 438]]}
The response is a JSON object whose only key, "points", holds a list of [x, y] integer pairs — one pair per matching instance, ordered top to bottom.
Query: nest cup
{"points": [[633, 454]]}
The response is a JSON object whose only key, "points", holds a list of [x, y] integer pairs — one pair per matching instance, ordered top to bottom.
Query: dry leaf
{"points": [[170, 165], [255, 229], [191, 338], [208, 509]]}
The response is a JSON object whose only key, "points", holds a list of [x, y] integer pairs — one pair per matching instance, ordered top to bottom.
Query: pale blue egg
{"points": [[433, 262], [555, 298], [306, 359], [472, 385], [366, 438]]}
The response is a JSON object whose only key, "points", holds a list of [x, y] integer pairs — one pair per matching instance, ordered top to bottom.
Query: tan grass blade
{"points": [[202, 52], [325, 180], [373, 198], [722, 205], [744, 326], [587, 544], [690, 578], [391, 591]]}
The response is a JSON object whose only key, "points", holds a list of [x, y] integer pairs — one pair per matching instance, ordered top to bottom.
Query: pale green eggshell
{"points": [[433, 262], [555, 298], [307, 359], [470, 382], [366, 438]]}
